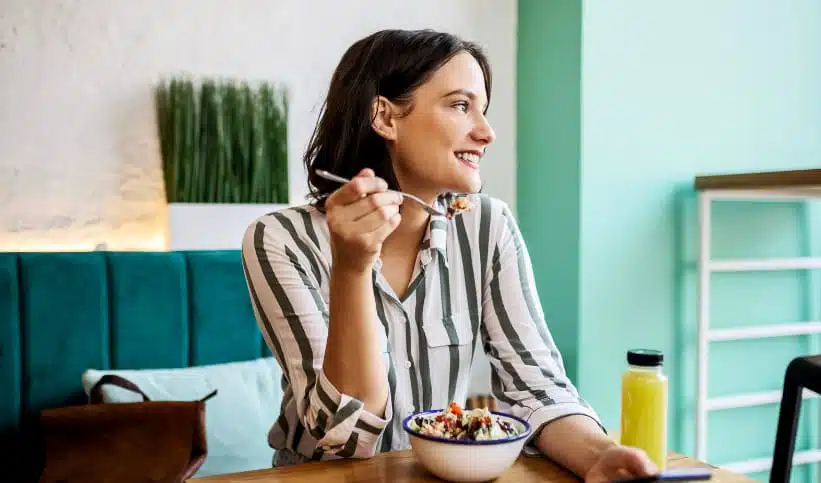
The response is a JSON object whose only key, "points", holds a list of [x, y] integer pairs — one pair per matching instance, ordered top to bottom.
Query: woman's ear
{"points": [[383, 118]]}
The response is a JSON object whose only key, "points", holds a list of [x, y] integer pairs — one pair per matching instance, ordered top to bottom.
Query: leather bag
{"points": [[147, 441]]}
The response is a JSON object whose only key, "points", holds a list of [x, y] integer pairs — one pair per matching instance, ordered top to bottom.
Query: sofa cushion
{"points": [[237, 418]]}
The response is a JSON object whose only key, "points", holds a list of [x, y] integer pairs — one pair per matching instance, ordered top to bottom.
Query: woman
{"points": [[373, 307]]}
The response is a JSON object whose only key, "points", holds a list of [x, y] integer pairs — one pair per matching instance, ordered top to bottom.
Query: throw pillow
{"points": [[237, 419]]}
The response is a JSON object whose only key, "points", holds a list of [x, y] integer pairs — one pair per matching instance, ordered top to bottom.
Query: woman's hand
{"points": [[361, 215], [619, 463]]}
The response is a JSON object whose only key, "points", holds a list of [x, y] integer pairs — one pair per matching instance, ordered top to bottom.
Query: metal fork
{"points": [[430, 209]]}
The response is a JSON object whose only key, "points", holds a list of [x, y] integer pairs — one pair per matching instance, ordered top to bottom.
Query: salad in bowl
{"points": [[457, 424], [464, 445]]}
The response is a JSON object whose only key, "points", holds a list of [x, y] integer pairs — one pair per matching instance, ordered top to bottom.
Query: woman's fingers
{"points": [[358, 188], [369, 205], [361, 214], [364, 215], [375, 218], [366, 235], [376, 237], [638, 463]]}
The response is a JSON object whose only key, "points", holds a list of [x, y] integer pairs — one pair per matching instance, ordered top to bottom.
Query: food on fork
{"points": [[458, 205], [455, 423]]}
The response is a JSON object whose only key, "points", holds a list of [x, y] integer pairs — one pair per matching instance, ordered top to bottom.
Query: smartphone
{"points": [[681, 474]]}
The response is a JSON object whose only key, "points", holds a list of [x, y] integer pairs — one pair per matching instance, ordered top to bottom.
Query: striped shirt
{"points": [[472, 287]]}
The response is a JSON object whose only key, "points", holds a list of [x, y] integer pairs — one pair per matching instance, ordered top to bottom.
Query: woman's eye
{"points": [[462, 106]]}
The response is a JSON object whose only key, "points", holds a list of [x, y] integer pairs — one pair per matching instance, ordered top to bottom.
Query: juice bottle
{"points": [[644, 404]]}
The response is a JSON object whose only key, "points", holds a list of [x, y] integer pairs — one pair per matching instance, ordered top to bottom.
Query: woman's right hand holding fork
{"points": [[361, 215]]}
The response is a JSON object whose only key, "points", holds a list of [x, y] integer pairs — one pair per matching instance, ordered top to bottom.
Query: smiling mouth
{"points": [[471, 159]]}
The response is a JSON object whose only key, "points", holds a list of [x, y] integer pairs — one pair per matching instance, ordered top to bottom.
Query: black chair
{"points": [[802, 373]]}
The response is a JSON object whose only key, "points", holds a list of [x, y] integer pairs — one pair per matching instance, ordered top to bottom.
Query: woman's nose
{"points": [[484, 132]]}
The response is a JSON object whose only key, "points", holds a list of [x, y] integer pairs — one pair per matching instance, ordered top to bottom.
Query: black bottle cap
{"points": [[645, 357]]}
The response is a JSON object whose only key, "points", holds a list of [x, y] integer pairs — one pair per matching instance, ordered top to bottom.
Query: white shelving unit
{"points": [[789, 186]]}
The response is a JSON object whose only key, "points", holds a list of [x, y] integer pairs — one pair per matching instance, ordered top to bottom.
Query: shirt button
{"points": [[408, 364]]}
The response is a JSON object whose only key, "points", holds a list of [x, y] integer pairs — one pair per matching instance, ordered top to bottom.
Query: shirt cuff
{"points": [[343, 425]]}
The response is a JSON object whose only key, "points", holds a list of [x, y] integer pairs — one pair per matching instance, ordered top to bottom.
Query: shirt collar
{"points": [[436, 235], [435, 239]]}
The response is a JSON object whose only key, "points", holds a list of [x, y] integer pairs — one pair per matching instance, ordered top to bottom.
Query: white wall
{"points": [[79, 162]]}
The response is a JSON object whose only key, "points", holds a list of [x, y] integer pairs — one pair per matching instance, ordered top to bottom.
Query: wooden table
{"points": [[402, 467]]}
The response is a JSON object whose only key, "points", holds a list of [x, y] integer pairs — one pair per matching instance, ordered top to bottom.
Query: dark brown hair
{"points": [[388, 63]]}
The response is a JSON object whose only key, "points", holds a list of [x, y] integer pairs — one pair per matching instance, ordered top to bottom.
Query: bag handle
{"points": [[96, 394], [209, 395]]}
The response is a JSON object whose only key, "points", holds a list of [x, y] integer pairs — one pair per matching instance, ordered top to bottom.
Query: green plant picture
{"points": [[223, 141]]}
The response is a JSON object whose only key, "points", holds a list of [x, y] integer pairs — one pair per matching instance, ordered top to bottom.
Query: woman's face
{"points": [[439, 144]]}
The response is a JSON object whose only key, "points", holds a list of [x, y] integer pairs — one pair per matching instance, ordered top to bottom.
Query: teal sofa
{"points": [[64, 313]]}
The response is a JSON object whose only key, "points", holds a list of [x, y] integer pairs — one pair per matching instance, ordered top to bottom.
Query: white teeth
{"points": [[471, 157]]}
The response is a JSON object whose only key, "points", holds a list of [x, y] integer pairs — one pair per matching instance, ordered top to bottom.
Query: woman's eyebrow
{"points": [[465, 92]]}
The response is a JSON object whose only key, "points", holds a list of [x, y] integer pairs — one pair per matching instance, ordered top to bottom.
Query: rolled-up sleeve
{"points": [[283, 279], [526, 367], [348, 430]]}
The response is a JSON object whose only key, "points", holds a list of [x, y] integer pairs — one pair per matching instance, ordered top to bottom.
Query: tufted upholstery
{"points": [[62, 313]]}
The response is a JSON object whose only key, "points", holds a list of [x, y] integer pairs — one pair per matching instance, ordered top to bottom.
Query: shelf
{"points": [[764, 180], [792, 186], [765, 195], [801, 263], [763, 332], [750, 399], [764, 464]]}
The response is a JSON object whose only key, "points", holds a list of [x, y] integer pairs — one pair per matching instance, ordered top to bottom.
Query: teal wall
{"points": [[667, 91], [548, 149]]}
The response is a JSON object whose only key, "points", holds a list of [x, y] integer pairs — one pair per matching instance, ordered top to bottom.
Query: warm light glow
{"points": [[144, 230]]}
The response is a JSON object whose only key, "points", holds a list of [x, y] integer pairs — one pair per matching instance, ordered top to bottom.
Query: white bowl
{"points": [[467, 460]]}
